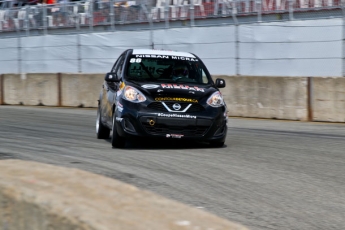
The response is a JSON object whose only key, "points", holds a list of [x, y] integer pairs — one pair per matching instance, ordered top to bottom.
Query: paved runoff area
{"points": [[271, 174]]}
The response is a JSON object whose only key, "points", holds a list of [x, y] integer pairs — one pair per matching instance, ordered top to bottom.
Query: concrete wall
{"points": [[30, 89], [51, 89], [81, 89], [266, 97], [292, 98], [328, 99], [35, 196]]}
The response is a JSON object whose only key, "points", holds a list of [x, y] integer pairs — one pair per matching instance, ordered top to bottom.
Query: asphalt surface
{"points": [[270, 175]]}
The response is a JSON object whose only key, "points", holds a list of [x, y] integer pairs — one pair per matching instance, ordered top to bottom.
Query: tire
{"points": [[102, 131], [116, 140], [216, 144]]}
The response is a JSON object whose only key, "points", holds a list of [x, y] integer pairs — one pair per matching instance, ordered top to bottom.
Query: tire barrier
{"points": [[46, 197]]}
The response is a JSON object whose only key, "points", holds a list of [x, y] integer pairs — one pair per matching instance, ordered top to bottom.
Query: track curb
{"points": [[41, 197]]}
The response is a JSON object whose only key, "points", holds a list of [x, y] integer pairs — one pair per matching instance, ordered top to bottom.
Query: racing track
{"points": [[272, 174]]}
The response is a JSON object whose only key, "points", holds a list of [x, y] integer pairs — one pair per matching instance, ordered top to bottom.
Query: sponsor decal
{"points": [[139, 56], [152, 56], [183, 58], [150, 86], [179, 86], [176, 99], [119, 104], [119, 107], [171, 115], [174, 136]]}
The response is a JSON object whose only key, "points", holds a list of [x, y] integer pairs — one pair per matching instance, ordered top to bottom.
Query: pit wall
{"points": [[75, 90], [266, 97], [291, 98], [36, 196]]}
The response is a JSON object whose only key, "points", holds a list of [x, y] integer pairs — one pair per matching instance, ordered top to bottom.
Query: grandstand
{"points": [[31, 15]]}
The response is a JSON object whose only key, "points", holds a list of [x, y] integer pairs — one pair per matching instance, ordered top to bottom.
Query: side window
{"points": [[116, 63], [117, 68], [204, 77]]}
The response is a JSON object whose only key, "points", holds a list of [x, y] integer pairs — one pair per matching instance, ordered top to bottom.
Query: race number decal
{"points": [[135, 60]]}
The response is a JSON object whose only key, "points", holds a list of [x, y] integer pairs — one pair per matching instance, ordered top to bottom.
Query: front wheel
{"points": [[102, 131], [116, 140]]}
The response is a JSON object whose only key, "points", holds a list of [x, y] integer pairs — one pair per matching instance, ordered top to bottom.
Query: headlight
{"points": [[133, 95], [216, 100]]}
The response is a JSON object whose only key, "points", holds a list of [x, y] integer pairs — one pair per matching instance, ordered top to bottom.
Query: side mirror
{"points": [[111, 77], [220, 83]]}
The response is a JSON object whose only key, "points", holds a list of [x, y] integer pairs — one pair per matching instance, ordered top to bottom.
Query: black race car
{"points": [[161, 94]]}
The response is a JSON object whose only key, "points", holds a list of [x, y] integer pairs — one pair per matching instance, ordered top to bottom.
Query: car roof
{"points": [[163, 52]]}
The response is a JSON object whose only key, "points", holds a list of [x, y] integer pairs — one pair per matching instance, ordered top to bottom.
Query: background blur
{"points": [[244, 37]]}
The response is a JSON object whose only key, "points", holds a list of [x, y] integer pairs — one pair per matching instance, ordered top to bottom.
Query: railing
{"points": [[91, 13]]}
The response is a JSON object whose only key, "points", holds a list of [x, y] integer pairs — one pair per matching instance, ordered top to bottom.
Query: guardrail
{"points": [[92, 13]]}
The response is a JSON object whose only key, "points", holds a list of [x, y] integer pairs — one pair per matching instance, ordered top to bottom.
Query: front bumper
{"points": [[136, 121]]}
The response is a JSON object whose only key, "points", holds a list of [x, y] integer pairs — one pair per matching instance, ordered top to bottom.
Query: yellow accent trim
{"points": [[122, 85], [176, 99]]}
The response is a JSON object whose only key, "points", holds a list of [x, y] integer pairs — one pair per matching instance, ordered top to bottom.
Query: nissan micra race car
{"points": [[161, 94]]}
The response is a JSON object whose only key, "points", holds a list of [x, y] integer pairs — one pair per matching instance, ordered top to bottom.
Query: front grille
{"points": [[170, 105], [157, 106], [160, 107], [195, 108], [161, 129]]}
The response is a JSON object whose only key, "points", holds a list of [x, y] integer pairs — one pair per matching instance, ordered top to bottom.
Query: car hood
{"points": [[185, 90]]}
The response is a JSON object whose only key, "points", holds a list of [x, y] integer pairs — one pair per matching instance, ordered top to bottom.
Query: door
{"points": [[111, 88]]}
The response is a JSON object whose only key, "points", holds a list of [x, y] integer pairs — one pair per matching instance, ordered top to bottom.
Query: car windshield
{"points": [[166, 69]]}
